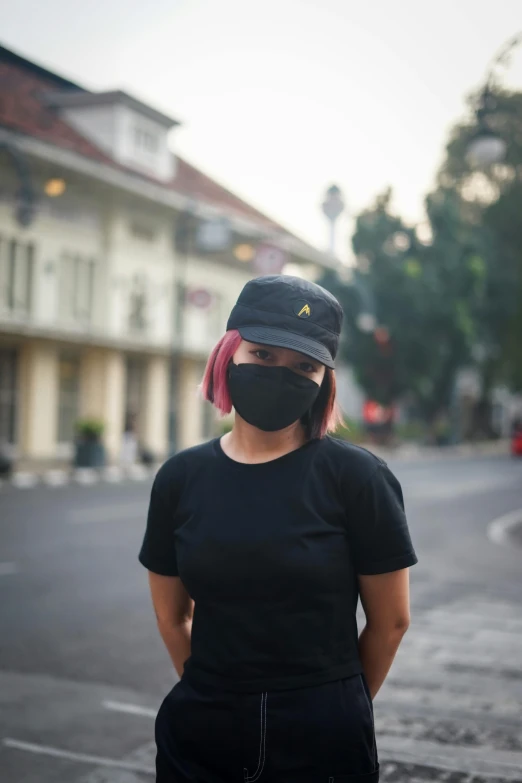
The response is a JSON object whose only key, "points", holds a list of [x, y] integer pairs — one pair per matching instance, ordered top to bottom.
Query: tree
{"points": [[491, 204], [450, 301], [424, 327]]}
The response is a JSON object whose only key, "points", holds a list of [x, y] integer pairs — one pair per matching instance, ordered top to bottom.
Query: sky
{"points": [[279, 99]]}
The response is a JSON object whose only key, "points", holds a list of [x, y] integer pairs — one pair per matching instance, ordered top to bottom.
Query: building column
{"points": [[102, 394], [39, 400], [156, 409], [190, 424]]}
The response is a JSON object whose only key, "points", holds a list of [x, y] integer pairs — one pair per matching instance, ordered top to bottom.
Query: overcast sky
{"points": [[281, 98]]}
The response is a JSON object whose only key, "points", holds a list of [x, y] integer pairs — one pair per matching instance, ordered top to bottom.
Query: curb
{"points": [[410, 453], [112, 474]]}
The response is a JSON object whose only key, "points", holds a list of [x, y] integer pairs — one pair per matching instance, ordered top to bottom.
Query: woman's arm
{"points": [[385, 599], [174, 609]]}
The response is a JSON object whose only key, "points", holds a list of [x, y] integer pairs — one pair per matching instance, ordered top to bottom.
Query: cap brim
{"points": [[282, 338]]}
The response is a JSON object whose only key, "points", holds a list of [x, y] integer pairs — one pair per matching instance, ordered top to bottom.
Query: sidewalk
{"points": [[413, 451], [30, 475], [59, 477]]}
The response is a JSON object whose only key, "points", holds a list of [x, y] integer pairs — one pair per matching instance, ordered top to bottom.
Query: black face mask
{"points": [[270, 398]]}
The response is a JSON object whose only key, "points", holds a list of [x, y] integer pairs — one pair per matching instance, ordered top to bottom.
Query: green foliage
{"points": [[491, 204], [407, 285], [450, 302], [225, 425], [90, 428], [352, 431]]}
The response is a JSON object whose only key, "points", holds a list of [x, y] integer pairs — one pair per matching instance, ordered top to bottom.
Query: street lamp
{"points": [[486, 147], [333, 207], [366, 320]]}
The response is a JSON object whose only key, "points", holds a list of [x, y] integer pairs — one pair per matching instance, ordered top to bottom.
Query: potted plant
{"points": [[89, 451], [6, 460]]}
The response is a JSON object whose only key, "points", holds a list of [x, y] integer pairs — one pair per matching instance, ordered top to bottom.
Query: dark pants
{"points": [[318, 734]]}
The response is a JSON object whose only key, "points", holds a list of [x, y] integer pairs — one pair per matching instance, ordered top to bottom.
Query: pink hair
{"points": [[214, 386], [325, 415], [331, 417]]}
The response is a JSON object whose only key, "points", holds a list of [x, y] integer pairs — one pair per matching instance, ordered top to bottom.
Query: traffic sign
{"points": [[269, 259], [200, 297]]}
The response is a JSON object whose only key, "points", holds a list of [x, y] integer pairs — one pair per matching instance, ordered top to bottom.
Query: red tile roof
{"points": [[22, 109], [193, 182]]}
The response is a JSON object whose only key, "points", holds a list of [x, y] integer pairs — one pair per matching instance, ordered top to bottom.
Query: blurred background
{"points": [[365, 153], [153, 158]]}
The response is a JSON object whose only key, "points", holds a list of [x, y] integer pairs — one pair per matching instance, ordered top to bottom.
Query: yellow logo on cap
{"points": [[305, 311]]}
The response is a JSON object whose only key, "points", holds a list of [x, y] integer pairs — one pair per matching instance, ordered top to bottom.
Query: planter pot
{"points": [[89, 454]]}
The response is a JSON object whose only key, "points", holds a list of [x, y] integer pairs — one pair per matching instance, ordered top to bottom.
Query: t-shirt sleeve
{"points": [[380, 536], [158, 550]]}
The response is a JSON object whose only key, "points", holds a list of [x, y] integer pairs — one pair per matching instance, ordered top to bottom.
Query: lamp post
{"points": [[486, 147], [333, 207]]}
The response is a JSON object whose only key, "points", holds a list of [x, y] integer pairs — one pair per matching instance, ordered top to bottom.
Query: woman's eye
{"points": [[262, 354], [305, 367]]}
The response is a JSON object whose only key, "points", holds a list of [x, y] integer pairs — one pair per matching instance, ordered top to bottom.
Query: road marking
{"points": [[107, 513], [499, 529], [8, 568], [130, 709], [84, 758]]}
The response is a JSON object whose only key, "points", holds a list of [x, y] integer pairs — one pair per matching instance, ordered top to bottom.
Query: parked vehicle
{"points": [[516, 438]]}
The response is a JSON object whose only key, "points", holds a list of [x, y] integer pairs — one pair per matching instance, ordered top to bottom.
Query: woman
{"points": [[258, 545]]}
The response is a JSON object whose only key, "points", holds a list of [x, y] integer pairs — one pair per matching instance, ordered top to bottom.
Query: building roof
{"points": [[68, 98], [24, 108]]}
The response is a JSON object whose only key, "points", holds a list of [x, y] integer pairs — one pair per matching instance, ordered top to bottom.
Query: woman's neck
{"points": [[246, 443]]}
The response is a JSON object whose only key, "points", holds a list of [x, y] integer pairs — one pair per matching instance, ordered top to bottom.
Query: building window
{"points": [[145, 141], [142, 231], [16, 275], [77, 277], [180, 298], [138, 316], [217, 327], [8, 384], [68, 393], [134, 395], [208, 420]]}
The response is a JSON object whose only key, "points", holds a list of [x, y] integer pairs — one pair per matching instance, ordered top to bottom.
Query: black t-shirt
{"points": [[270, 554]]}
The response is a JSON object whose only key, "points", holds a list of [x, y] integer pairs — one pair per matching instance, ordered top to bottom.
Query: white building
{"points": [[109, 299]]}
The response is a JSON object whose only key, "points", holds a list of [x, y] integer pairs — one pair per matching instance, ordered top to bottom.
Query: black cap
{"points": [[289, 312]]}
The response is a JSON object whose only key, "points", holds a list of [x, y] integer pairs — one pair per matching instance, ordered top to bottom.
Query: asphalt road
{"points": [[83, 670]]}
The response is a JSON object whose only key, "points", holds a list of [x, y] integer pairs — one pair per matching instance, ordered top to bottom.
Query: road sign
{"points": [[269, 259], [199, 297]]}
